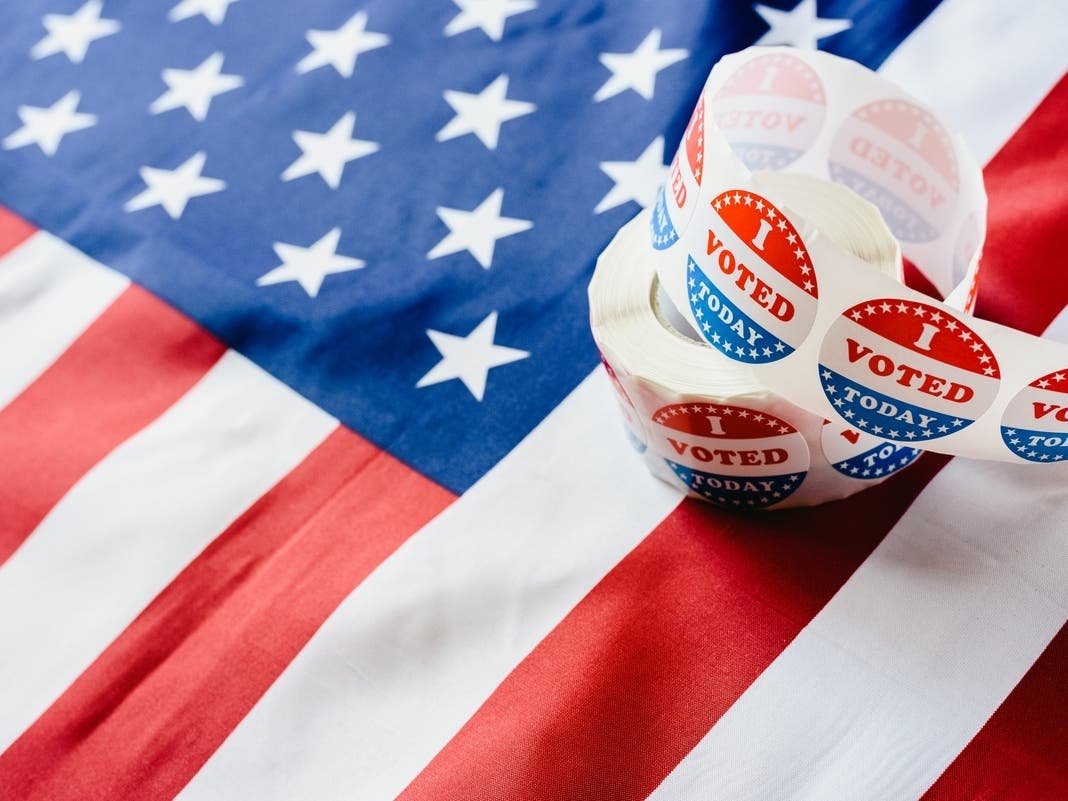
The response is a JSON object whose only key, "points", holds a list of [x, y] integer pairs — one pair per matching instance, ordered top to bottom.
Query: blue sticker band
{"points": [[762, 156], [900, 217], [662, 230], [886, 417], [1036, 446], [878, 462], [738, 492]]}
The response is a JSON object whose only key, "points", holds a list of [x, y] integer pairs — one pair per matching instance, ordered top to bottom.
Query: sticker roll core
{"points": [[753, 271], [708, 424]]}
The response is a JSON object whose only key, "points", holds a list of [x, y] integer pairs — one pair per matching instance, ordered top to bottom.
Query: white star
{"points": [[214, 11], [489, 15], [800, 27], [71, 34], [341, 47], [637, 70], [194, 89], [483, 114], [46, 127], [328, 153], [637, 180], [173, 189], [477, 231], [309, 266], [469, 358]]}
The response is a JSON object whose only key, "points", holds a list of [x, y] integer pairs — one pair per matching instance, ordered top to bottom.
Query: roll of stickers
{"points": [[753, 275], [707, 423]]}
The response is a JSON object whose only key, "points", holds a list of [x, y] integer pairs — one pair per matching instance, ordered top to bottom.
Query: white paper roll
{"points": [[708, 424]]}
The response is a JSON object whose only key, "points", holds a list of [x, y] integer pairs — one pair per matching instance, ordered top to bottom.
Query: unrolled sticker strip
{"points": [[766, 289]]}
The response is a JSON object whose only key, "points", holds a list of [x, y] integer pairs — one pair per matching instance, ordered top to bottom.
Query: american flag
{"points": [[311, 486]]}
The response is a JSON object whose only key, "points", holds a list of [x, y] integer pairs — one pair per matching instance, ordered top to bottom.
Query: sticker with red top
{"points": [[771, 110], [897, 155], [672, 211], [753, 293], [906, 371], [1035, 423], [733, 456], [864, 456]]}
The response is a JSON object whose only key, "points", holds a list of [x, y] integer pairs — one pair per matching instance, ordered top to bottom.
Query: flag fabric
{"points": [[310, 483]]}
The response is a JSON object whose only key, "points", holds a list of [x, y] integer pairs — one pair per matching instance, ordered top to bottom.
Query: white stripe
{"points": [[983, 66], [49, 294], [135, 520], [414, 650], [889, 682]]}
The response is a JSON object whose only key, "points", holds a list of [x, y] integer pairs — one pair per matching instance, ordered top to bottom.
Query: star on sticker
{"points": [[214, 11], [489, 15], [800, 27], [72, 34], [341, 47], [637, 70], [196, 88], [483, 114], [46, 127], [328, 153], [637, 180], [173, 189], [477, 231], [309, 266], [469, 358]]}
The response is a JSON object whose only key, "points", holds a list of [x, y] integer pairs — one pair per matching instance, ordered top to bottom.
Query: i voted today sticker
{"points": [[771, 110], [895, 154], [677, 199], [753, 291], [906, 371], [1035, 423], [733, 456], [864, 456]]}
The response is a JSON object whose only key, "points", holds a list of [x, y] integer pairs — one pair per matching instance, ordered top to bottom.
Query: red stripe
{"points": [[1027, 218], [13, 230], [127, 368], [641, 669], [161, 699], [1021, 754]]}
